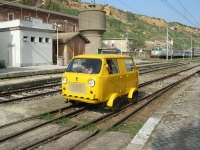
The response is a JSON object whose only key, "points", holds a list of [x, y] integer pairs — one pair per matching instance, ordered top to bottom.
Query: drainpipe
{"points": [[48, 18], [73, 47], [79, 47]]}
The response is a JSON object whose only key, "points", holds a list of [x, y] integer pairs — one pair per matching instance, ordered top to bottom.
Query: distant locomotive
{"points": [[161, 52]]}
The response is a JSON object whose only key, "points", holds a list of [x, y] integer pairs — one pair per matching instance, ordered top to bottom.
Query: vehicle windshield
{"points": [[82, 65]]}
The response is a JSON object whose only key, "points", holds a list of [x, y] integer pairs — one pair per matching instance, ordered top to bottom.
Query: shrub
{"points": [[2, 65]]}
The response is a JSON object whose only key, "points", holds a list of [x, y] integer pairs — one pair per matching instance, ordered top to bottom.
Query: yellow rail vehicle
{"points": [[101, 78]]}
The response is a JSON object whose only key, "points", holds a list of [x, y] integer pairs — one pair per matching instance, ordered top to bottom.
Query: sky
{"points": [[186, 12]]}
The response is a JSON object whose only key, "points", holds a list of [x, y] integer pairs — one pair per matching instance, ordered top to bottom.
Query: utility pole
{"points": [[167, 46], [191, 46]]}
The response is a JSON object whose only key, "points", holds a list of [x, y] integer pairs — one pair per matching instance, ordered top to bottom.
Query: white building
{"points": [[25, 43], [119, 43]]}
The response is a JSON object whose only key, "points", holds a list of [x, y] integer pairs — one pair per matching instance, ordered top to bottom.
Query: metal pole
{"points": [[36, 10], [57, 44], [167, 46], [191, 46], [171, 53]]}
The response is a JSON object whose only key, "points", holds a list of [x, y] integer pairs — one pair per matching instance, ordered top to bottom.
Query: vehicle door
{"points": [[132, 77], [114, 81]]}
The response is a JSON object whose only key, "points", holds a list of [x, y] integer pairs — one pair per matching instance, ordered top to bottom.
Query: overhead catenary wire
{"points": [[130, 7], [178, 12], [188, 12]]}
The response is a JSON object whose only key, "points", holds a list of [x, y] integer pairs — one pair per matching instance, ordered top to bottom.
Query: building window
{"points": [[10, 16], [26, 18], [53, 24], [65, 25], [74, 28], [25, 38], [33, 39], [41, 39], [47, 40], [113, 43], [105, 44]]}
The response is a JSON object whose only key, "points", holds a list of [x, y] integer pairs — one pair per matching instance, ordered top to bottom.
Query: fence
{"points": [[139, 55]]}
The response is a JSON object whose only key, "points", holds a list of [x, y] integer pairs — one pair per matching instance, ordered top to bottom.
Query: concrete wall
{"points": [[92, 19], [92, 24], [95, 39], [121, 44], [10, 48], [17, 48], [34, 52]]}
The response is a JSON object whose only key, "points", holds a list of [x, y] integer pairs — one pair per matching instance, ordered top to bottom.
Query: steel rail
{"points": [[161, 68], [165, 77], [28, 89], [36, 116], [42, 124]]}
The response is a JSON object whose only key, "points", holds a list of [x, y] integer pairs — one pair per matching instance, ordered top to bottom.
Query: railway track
{"points": [[59, 72], [29, 93], [32, 93], [97, 120]]}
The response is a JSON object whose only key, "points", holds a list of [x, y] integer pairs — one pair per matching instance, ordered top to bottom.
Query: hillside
{"points": [[134, 26]]}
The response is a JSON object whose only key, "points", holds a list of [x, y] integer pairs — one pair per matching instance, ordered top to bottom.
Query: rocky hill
{"points": [[119, 14]]}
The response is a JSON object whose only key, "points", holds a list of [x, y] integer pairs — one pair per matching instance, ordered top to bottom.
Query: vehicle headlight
{"points": [[64, 80], [91, 83]]}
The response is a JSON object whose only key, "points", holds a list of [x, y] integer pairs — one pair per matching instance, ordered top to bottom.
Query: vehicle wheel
{"points": [[134, 98], [116, 104]]}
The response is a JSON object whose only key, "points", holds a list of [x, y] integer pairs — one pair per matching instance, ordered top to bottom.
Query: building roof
{"points": [[20, 6], [65, 37], [124, 38], [102, 56]]}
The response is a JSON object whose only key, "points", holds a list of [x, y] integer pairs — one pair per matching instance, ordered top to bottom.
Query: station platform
{"points": [[12, 70], [45, 74], [174, 126]]}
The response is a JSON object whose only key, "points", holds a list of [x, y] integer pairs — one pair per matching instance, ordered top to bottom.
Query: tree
{"points": [[136, 44]]}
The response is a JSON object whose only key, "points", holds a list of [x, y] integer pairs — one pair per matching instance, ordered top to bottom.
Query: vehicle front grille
{"points": [[77, 87]]}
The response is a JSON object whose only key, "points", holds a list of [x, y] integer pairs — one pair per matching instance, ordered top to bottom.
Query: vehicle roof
{"points": [[102, 56]]}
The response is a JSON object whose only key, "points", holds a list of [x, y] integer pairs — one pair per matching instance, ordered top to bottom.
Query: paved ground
{"points": [[31, 68], [176, 125]]}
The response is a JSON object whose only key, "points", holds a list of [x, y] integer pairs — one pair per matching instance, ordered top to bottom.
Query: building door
{"points": [[11, 55]]}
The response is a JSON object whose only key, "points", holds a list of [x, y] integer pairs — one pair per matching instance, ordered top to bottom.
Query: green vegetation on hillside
{"points": [[73, 12]]}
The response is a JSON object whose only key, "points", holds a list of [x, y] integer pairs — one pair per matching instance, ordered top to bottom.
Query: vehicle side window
{"points": [[82, 65], [129, 65], [112, 66]]}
